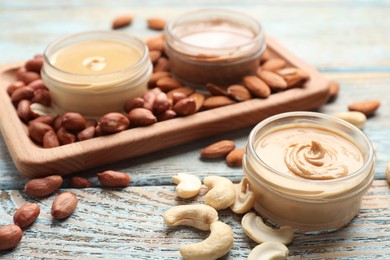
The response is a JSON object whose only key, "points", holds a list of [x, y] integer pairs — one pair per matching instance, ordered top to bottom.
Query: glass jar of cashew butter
{"points": [[213, 46], [94, 73], [308, 170]]}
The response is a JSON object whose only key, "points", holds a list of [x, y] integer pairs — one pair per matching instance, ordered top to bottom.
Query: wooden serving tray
{"points": [[33, 161]]}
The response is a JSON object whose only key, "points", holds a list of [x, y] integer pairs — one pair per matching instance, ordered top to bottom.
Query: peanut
{"points": [[113, 123], [114, 179], [42, 187], [64, 205], [26, 215], [10, 236]]}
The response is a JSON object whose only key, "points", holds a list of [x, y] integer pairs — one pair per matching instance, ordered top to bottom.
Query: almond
{"points": [[122, 21], [157, 24], [156, 43], [154, 55], [265, 56], [162, 64], [274, 64], [34, 65], [28, 76], [156, 76], [293, 76], [273, 80], [167, 84], [15, 85], [257, 87], [334, 89], [216, 90], [186, 91], [22, 93], [239, 93], [41, 96], [199, 100], [217, 101], [161, 103], [185, 107], [368, 107], [24, 111], [166, 115], [141, 117], [73, 121], [113, 123], [38, 130], [87, 133], [65, 137], [50, 140], [218, 149], [234, 158], [114, 179], [79, 182], [42, 187], [64, 205], [26, 215], [10, 236]]}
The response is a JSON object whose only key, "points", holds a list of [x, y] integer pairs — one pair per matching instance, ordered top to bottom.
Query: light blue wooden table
{"points": [[347, 41]]}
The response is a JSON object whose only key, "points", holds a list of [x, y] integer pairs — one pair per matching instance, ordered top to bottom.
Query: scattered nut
{"points": [[122, 21], [157, 24], [368, 107], [356, 118], [113, 123], [218, 149], [234, 158], [388, 172], [114, 179], [79, 182], [188, 185], [42, 187], [221, 194], [245, 198], [63, 205], [26, 215], [197, 215], [255, 228], [10, 236], [215, 246], [269, 250]]}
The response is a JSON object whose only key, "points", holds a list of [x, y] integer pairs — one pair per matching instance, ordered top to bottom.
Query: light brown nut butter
{"points": [[122, 21], [368, 107], [113, 123], [218, 149], [114, 179], [42, 187], [64, 205], [26, 215], [10, 236]]}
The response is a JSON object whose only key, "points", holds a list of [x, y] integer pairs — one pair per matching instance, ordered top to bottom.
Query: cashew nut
{"points": [[356, 118], [188, 185], [221, 194], [245, 199], [198, 216], [255, 228], [216, 245], [269, 251]]}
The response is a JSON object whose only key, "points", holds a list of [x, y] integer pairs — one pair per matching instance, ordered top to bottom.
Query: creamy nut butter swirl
{"points": [[310, 152]]}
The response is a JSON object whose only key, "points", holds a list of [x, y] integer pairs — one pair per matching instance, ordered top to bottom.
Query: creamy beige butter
{"points": [[95, 73], [312, 153], [308, 170]]}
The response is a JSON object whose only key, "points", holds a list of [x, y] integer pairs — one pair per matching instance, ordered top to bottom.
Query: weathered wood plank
{"points": [[128, 224]]}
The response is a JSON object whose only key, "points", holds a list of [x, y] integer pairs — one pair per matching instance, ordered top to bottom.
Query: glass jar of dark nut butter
{"points": [[214, 46]]}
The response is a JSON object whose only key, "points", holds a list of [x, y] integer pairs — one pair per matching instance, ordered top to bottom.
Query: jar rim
{"points": [[217, 12], [144, 52], [363, 168]]}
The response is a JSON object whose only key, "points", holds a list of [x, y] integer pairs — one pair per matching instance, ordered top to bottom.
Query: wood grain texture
{"points": [[66, 159], [128, 224]]}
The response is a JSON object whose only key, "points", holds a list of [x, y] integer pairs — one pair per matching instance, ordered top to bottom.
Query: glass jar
{"points": [[214, 46], [96, 94], [307, 204]]}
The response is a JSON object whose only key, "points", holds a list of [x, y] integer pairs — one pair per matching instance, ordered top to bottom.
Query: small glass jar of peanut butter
{"points": [[213, 46], [94, 73], [308, 170]]}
